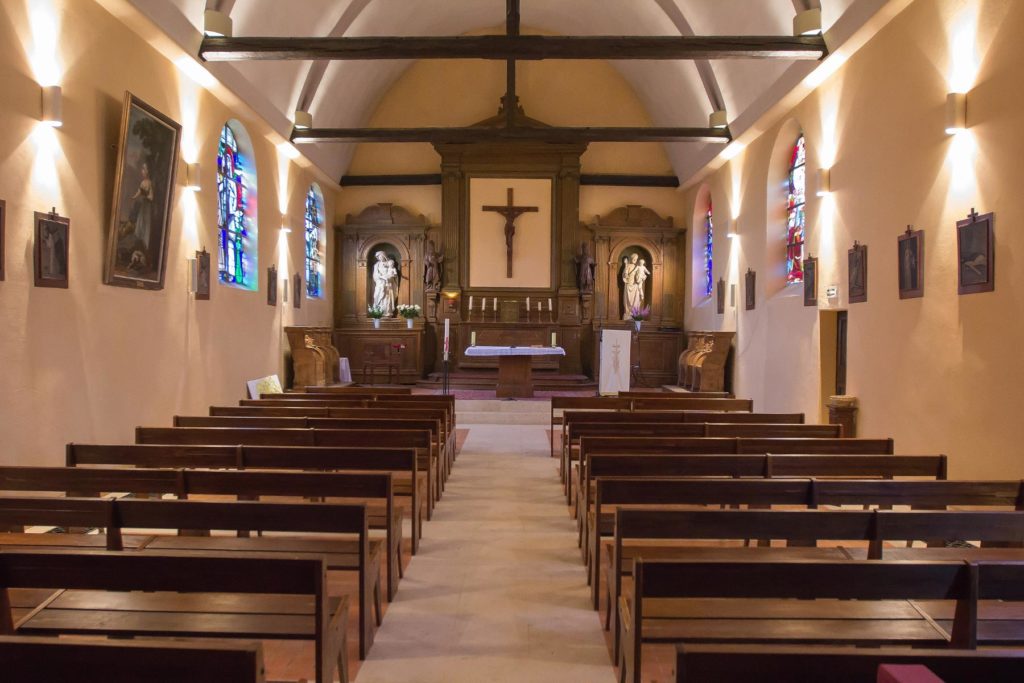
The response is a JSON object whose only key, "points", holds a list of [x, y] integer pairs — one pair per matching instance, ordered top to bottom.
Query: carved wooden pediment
{"points": [[385, 214], [632, 216]]}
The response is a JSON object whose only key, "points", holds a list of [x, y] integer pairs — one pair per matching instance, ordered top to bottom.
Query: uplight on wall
{"points": [[807, 23], [217, 24], [52, 106], [956, 112], [718, 119], [303, 120], [193, 177], [824, 181], [734, 229]]}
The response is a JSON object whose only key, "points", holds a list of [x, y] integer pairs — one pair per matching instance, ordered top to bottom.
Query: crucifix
{"points": [[511, 213]]}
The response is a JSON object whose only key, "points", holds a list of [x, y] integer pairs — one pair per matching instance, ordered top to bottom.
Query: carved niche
{"points": [[383, 227], [629, 230]]}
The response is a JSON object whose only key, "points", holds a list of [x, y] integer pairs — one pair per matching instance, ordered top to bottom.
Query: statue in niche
{"points": [[432, 261], [585, 269], [634, 275], [385, 284]]}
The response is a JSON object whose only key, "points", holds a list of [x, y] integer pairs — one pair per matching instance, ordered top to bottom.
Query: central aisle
{"points": [[497, 592]]}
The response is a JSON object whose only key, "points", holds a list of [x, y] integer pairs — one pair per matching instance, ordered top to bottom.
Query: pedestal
{"points": [[514, 378], [842, 410]]}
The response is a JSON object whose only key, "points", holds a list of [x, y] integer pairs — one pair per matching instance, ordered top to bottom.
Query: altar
{"points": [[515, 379]]}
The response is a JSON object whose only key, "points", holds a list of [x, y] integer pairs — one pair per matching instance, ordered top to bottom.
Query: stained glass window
{"points": [[795, 219], [709, 240], [237, 243], [314, 244]]}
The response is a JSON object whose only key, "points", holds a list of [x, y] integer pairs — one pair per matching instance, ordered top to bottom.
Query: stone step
{"points": [[493, 411]]}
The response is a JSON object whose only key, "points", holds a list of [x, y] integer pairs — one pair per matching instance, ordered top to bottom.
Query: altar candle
{"points": [[471, 302], [495, 304], [527, 304], [549, 305], [483, 307], [538, 307], [447, 321], [472, 338], [554, 340]]}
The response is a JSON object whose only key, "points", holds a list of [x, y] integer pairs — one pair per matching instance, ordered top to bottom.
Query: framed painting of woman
{"points": [[143, 197]]}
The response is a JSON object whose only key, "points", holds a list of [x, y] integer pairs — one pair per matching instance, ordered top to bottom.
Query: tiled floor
{"points": [[497, 592]]}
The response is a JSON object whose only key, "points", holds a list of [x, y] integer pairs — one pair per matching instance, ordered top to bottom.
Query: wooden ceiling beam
{"points": [[514, 48], [470, 135]]}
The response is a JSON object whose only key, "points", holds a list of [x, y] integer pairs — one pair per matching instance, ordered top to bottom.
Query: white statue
{"points": [[634, 275], [385, 284]]}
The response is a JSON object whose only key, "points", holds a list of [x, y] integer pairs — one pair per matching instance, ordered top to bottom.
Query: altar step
{"points": [[543, 380], [502, 412]]}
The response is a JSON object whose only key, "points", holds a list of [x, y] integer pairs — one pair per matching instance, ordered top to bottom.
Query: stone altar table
{"points": [[514, 377]]}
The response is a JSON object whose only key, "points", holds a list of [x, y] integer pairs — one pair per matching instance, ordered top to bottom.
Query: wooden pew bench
{"points": [[373, 490], [336, 533], [181, 595], [37, 659], [696, 663]]}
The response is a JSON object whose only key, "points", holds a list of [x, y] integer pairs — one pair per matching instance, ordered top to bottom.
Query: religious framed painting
{"points": [[143, 197], [50, 250], [910, 252], [3, 254], [976, 254], [857, 260], [810, 265], [203, 275], [272, 286], [749, 289], [297, 290], [720, 296]]}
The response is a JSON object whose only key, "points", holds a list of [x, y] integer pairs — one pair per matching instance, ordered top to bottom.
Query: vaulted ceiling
{"points": [[344, 94]]}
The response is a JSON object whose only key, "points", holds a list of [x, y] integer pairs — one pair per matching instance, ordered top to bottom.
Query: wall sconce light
{"points": [[807, 23], [217, 24], [53, 106], [956, 112], [718, 119], [303, 120], [288, 150], [193, 177], [824, 181], [286, 230], [733, 232]]}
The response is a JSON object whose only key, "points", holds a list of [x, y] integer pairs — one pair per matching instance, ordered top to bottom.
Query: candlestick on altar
{"points": [[470, 307], [495, 309]]}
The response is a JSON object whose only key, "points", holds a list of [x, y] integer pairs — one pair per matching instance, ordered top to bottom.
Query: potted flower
{"points": [[410, 312], [376, 314], [639, 314]]}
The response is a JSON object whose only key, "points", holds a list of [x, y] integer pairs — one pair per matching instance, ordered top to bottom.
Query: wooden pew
{"points": [[355, 389], [658, 393], [342, 438], [402, 462], [349, 486], [350, 550], [153, 594], [810, 603], [37, 659], [698, 663]]}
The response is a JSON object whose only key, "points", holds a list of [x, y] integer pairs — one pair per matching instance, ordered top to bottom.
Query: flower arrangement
{"points": [[409, 311], [374, 312], [638, 313]]}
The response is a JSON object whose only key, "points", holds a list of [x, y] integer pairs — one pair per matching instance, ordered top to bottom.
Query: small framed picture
{"points": [[910, 250], [50, 252], [3, 253], [976, 254], [857, 260], [203, 275], [810, 281], [272, 286], [749, 289], [297, 290], [720, 296]]}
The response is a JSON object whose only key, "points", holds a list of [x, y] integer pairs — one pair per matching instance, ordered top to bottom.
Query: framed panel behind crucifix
{"points": [[510, 232]]}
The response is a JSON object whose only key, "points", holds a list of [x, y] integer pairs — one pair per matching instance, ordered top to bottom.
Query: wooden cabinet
{"points": [[366, 344]]}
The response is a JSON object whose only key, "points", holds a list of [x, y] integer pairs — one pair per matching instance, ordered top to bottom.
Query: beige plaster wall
{"points": [[531, 244], [91, 362], [941, 373]]}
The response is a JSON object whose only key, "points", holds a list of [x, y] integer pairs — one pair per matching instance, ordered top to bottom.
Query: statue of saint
{"points": [[432, 261], [585, 269], [385, 284], [632, 290]]}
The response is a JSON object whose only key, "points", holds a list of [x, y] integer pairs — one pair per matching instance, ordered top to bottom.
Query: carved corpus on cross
{"points": [[511, 212]]}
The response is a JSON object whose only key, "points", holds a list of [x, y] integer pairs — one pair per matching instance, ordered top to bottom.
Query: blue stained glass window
{"points": [[795, 218], [709, 240], [314, 244], [236, 247]]}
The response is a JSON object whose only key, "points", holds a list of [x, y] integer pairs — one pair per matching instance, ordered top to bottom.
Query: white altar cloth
{"points": [[515, 351]]}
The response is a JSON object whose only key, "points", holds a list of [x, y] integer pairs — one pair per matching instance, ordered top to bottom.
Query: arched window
{"points": [[236, 209], [795, 219], [709, 241], [314, 242]]}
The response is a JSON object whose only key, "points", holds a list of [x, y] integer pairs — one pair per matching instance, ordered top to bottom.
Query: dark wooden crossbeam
{"points": [[514, 47], [472, 134], [606, 179]]}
